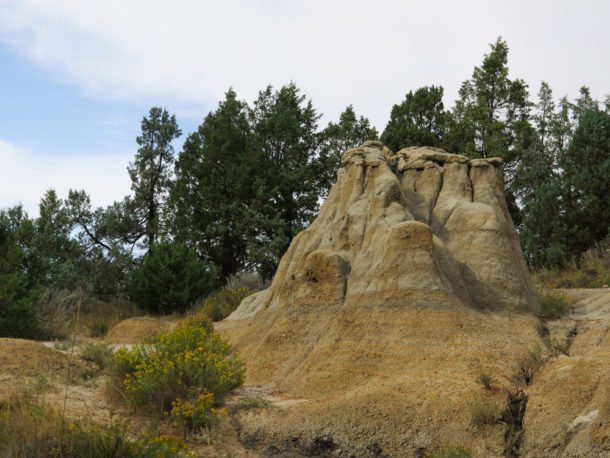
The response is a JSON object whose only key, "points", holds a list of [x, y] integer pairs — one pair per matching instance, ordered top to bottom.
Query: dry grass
{"points": [[592, 272]]}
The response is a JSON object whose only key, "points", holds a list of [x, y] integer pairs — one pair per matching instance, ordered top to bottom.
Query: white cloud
{"points": [[339, 52], [25, 177]]}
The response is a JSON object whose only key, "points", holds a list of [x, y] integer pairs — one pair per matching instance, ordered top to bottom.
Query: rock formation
{"points": [[421, 225], [408, 284]]}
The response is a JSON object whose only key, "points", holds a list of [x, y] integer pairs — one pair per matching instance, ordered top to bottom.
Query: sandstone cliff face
{"points": [[420, 226]]}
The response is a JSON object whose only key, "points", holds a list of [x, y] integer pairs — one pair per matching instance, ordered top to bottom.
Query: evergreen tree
{"points": [[492, 118], [420, 120], [285, 135], [586, 166], [151, 170], [211, 200], [170, 279], [17, 291]]}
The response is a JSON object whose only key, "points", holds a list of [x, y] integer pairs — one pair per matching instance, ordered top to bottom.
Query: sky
{"points": [[76, 77]]}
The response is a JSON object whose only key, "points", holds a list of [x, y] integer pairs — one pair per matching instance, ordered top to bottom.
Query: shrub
{"points": [[170, 279], [249, 280], [220, 304], [554, 304], [54, 311], [17, 312], [98, 328], [555, 346], [99, 353], [530, 365], [180, 367], [486, 379], [483, 411], [195, 413], [451, 451]]}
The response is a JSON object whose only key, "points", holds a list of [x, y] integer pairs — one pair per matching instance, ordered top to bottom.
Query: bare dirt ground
{"points": [[567, 414]]}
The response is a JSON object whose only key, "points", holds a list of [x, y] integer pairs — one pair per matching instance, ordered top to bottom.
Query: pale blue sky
{"points": [[76, 77]]}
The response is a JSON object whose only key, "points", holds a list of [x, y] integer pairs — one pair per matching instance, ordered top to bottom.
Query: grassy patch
{"points": [[220, 304], [554, 304], [99, 353], [486, 379], [483, 411], [31, 429], [451, 451]]}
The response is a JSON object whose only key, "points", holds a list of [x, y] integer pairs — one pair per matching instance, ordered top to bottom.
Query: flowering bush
{"points": [[185, 370], [195, 413]]}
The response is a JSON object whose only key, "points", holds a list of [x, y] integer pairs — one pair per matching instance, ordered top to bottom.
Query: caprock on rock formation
{"points": [[421, 225], [383, 311]]}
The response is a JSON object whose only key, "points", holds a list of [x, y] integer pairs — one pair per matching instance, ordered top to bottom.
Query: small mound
{"points": [[133, 330], [19, 357], [22, 360]]}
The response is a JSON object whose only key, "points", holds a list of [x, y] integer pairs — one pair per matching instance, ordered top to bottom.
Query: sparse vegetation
{"points": [[249, 280], [220, 304], [554, 304], [54, 311], [98, 328], [555, 346], [99, 353], [531, 363], [486, 379], [256, 402], [483, 411], [33, 429], [451, 451]]}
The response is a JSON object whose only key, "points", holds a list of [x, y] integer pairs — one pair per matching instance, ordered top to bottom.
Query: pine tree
{"points": [[420, 120], [286, 137], [151, 170], [211, 200]]}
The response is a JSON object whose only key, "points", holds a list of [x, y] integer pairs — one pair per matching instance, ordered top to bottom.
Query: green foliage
{"points": [[492, 119], [420, 120], [150, 172], [564, 183], [286, 200], [211, 202], [170, 279], [220, 304], [554, 304], [17, 313], [98, 328], [99, 353], [183, 364], [486, 379], [483, 411], [195, 413], [451, 451]]}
